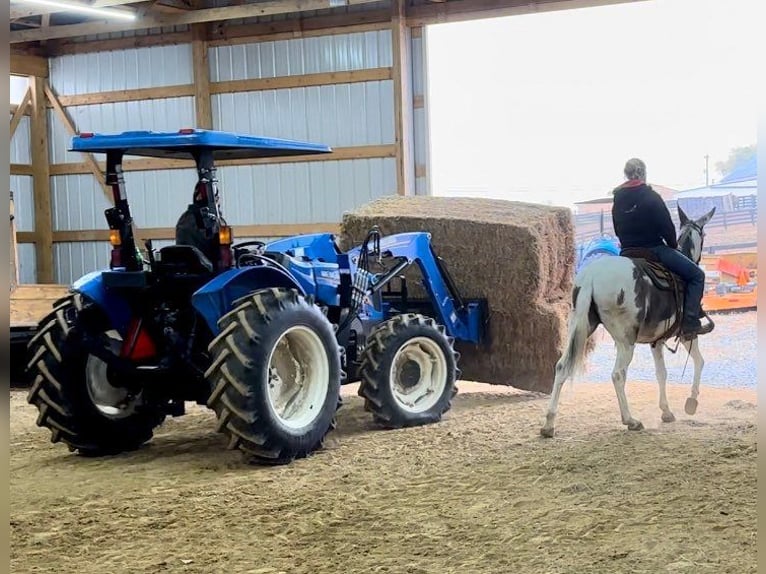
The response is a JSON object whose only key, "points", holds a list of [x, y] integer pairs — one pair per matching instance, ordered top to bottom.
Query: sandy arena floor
{"points": [[478, 493]]}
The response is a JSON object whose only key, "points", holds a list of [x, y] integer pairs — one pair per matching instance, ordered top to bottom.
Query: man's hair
{"points": [[635, 169]]}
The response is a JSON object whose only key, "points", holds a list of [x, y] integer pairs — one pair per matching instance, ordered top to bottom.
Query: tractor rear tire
{"points": [[429, 360], [250, 365], [60, 372]]}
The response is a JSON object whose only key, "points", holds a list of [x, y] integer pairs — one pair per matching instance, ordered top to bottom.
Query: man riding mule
{"points": [[642, 223], [649, 293]]}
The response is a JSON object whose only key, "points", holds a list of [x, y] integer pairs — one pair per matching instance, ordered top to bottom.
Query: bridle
{"points": [[688, 227]]}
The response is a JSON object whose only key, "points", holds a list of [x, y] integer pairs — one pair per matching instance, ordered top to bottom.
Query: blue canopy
{"points": [[181, 144]]}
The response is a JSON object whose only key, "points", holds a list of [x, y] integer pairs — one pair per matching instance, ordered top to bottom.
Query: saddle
{"points": [[662, 278]]}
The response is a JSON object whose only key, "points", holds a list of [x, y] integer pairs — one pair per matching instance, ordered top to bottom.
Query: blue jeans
{"points": [[693, 276]]}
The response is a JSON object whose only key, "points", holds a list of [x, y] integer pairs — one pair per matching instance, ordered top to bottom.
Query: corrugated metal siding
{"points": [[315, 55], [122, 70], [18, 86], [168, 114], [336, 115], [420, 115], [21, 151], [303, 192], [157, 199], [23, 202], [73, 260], [27, 263]]}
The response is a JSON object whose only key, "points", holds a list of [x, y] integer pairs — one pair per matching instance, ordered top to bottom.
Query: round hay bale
{"points": [[519, 256]]}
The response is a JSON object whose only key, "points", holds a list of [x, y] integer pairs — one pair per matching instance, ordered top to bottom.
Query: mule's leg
{"points": [[692, 347], [619, 374], [662, 377], [547, 429]]}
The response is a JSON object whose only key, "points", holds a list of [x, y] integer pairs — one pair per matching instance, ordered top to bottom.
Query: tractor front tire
{"points": [[408, 372], [275, 376], [67, 381]]}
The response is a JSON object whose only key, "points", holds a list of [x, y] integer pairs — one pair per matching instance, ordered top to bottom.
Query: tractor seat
{"points": [[184, 260], [658, 274]]}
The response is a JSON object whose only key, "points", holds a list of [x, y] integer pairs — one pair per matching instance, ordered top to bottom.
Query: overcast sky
{"points": [[547, 107]]}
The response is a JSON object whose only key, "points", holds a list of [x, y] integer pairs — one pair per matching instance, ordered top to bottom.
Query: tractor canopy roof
{"points": [[185, 143]]}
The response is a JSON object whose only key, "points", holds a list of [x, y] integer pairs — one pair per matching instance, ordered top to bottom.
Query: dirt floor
{"points": [[479, 492]]}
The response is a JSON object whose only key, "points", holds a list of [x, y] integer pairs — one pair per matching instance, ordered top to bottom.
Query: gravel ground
{"points": [[730, 353]]}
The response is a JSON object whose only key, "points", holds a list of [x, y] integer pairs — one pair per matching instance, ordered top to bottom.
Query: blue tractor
{"points": [[264, 334]]}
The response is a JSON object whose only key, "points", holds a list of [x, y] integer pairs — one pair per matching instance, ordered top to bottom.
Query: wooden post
{"points": [[200, 62], [402, 75], [41, 181], [14, 251]]}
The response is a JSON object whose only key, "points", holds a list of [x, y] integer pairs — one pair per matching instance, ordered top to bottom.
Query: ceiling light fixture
{"points": [[82, 8]]}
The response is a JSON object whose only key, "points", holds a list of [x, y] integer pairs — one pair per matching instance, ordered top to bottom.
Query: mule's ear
{"points": [[682, 217], [705, 218]]}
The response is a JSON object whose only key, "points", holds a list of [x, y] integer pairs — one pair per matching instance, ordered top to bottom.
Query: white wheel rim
{"points": [[418, 374], [299, 377], [113, 402]]}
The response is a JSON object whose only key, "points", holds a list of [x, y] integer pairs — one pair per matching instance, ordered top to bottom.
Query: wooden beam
{"points": [[266, 8], [27, 10], [463, 10], [220, 34], [223, 34], [67, 47], [201, 65], [29, 66], [402, 75], [303, 81], [227, 87], [134, 95], [15, 107], [20, 111], [151, 164], [21, 169], [41, 181], [158, 233], [26, 237], [14, 250]]}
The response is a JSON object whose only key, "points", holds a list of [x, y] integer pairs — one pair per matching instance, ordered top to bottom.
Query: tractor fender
{"points": [[214, 299], [116, 308]]}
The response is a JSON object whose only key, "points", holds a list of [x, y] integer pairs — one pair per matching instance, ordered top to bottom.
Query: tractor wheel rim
{"points": [[299, 377], [418, 393], [112, 402]]}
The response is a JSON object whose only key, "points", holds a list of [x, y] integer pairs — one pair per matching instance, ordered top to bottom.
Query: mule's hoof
{"points": [[691, 406], [668, 417], [635, 425], [546, 432]]}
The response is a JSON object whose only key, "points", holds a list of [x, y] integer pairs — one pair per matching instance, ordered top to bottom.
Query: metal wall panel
{"points": [[334, 53], [122, 70], [18, 87], [168, 114], [336, 115], [420, 130], [21, 150], [315, 192], [157, 199], [23, 202], [73, 260], [27, 263]]}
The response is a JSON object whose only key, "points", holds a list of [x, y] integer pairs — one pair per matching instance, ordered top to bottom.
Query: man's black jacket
{"points": [[641, 218]]}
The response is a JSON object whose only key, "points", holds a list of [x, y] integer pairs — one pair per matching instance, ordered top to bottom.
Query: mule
{"points": [[638, 301]]}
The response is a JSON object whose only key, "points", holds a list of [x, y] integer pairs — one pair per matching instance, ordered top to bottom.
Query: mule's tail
{"points": [[581, 328]]}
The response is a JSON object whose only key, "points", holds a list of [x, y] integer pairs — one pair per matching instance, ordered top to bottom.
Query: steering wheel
{"points": [[260, 244], [242, 253]]}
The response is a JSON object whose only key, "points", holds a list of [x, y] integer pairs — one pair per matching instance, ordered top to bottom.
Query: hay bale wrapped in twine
{"points": [[518, 256]]}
